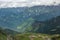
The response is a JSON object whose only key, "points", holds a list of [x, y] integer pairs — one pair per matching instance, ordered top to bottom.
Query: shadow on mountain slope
{"points": [[51, 26]]}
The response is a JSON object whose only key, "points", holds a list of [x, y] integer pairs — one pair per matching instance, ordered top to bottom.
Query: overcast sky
{"points": [[34, 1], [30, 2]]}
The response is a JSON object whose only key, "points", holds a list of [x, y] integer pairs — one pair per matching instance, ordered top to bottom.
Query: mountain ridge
{"points": [[12, 18]]}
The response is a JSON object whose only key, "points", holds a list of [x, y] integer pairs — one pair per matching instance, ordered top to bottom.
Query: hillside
{"points": [[14, 18], [51, 26]]}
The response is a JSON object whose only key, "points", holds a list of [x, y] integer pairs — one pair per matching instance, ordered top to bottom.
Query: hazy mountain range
{"points": [[23, 19]]}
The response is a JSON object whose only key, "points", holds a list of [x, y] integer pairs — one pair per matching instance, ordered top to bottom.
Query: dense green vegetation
{"points": [[14, 18], [27, 23], [51, 26], [3, 35], [29, 36], [34, 36]]}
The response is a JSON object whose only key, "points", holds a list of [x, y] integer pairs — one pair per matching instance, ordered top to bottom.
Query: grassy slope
{"points": [[26, 36], [3, 37]]}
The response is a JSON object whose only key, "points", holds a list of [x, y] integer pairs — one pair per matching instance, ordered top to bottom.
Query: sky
{"points": [[34, 1], [22, 3]]}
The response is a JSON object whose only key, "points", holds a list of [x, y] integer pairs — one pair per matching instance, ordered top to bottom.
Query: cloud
{"points": [[13, 0], [34, 1], [45, 2], [22, 3]]}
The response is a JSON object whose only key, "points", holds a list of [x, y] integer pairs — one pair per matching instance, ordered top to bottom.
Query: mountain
{"points": [[39, 14], [21, 18], [51, 26], [6, 32]]}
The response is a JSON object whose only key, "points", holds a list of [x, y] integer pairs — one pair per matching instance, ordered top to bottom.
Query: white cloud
{"points": [[13, 0], [34, 1], [44, 2], [22, 3]]}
